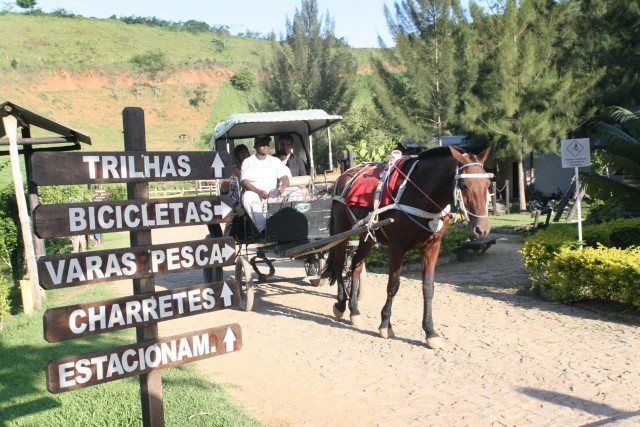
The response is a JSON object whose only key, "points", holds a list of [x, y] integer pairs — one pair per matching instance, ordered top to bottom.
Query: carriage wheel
{"points": [[313, 266], [244, 278]]}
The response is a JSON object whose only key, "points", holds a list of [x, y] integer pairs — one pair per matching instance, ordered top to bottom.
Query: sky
{"points": [[359, 22]]}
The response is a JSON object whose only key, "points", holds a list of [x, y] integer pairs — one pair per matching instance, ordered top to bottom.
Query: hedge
{"points": [[607, 268], [598, 273]]}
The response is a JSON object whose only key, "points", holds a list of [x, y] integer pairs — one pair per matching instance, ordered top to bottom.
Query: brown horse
{"points": [[427, 185]]}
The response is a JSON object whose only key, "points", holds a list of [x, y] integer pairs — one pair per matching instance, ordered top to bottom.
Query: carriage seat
{"points": [[300, 181]]}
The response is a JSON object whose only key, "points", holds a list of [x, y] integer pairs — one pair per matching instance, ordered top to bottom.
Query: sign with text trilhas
{"points": [[63, 168], [129, 215], [74, 269], [81, 320], [84, 370]]}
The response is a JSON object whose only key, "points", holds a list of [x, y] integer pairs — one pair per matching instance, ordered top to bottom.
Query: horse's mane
{"points": [[437, 152]]}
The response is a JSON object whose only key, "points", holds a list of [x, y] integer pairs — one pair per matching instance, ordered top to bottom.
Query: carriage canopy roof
{"points": [[249, 125]]}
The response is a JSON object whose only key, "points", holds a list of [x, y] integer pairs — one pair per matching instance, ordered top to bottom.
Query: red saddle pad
{"points": [[363, 189]]}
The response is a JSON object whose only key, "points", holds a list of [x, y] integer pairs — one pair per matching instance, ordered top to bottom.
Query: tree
{"points": [[26, 4], [153, 65], [307, 69], [417, 82], [199, 96], [521, 102], [618, 145]]}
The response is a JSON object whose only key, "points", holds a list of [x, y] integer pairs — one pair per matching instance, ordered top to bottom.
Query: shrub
{"points": [[243, 80], [620, 233], [452, 240], [540, 248], [600, 273], [5, 306]]}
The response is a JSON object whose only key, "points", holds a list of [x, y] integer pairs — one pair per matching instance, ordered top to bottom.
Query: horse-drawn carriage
{"points": [[408, 207], [294, 228]]}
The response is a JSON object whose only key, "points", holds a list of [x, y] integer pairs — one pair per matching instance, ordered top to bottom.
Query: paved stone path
{"points": [[509, 360]]}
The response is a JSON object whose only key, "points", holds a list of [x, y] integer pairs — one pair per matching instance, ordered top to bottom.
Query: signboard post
{"points": [[576, 153], [139, 262]]}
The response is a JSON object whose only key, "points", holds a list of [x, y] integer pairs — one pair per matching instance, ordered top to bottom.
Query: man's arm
{"points": [[284, 183], [250, 187]]}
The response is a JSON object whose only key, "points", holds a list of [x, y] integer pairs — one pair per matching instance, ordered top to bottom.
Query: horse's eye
{"points": [[464, 187]]}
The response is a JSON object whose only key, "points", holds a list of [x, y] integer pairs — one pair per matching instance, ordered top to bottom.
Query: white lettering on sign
{"points": [[124, 166], [106, 217], [67, 271], [149, 309], [114, 364], [89, 369]]}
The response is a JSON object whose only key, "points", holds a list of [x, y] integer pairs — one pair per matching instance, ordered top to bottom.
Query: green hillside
{"points": [[78, 71]]}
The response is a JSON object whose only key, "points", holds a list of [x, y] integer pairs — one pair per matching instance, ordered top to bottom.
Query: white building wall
{"points": [[549, 175]]}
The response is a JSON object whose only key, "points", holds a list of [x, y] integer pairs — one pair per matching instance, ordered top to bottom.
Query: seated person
{"points": [[241, 152], [296, 164], [264, 178], [297, 189]]}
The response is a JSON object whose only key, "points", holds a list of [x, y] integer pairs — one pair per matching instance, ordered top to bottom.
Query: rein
{"points": [[436, 219]]}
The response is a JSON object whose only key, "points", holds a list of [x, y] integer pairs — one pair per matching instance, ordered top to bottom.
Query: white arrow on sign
{"points": [[217, 166], [221, 210], [228, 251], [226, 295], [229, 339]]}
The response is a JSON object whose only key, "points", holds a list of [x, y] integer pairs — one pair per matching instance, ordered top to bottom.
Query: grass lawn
{"points": [[189, 400]]}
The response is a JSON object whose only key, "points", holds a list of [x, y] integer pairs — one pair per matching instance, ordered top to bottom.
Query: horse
{"points": [[426, 186]]}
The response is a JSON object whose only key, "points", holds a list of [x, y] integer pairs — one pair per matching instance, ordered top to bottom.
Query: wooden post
{"points": [[11, 128], [494, 191], [507, 199], [34, 201], [151, 383]]}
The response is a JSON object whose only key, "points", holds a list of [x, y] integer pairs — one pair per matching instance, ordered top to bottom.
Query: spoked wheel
{"points": [[313, 266], [244, 278]]}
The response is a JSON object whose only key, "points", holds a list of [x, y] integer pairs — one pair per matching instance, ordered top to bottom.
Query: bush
{"points": [[243, 80], [602, 211], [620, 233], [452, 240], [541, 247], [595, 273], [5, 306]]}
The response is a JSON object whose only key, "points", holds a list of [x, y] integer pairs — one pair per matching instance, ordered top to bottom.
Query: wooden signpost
{"points": [[141, 262]]}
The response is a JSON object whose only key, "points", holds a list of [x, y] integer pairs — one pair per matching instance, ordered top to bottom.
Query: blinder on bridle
{"points": [[458, 201]]}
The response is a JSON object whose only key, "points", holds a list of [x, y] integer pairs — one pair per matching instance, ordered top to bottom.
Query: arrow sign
{"points": [[217, 166], [62, 168], [222, 210], [129, 215], [73, 269], [226, 294], [80, 320], [229, 340], [83, 370]]}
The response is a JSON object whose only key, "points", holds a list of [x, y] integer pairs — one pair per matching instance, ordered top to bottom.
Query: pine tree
{"points": [[309, 69], [418, 78], [521, 102]]}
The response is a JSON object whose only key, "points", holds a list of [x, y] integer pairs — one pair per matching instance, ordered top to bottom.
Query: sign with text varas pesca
{"points": [[141, 262]]}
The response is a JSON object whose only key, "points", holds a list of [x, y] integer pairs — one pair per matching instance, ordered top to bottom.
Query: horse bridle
{"points": [[458, 201]]}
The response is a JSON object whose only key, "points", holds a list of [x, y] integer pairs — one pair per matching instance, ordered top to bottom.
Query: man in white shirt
{"points": [[264, 178]]}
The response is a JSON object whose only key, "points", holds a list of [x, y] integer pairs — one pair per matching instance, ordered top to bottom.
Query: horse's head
{"points": [[471, 189]]}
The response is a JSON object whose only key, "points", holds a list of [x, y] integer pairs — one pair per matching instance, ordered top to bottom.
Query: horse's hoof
{"points": [[337, 312], [356, 320], [386, 333], [435, 342]]}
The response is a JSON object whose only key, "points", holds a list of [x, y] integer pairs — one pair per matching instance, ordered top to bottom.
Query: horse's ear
{"points": [[456, 154], [482, 157]]}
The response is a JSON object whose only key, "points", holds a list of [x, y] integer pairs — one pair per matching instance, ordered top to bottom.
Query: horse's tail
{"points": [[328, 271]]}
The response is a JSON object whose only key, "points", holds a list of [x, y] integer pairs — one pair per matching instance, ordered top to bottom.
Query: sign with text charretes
{"points": [[58, 168], [128, 215], [74, 269], [81, 320], [84, 370]]}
